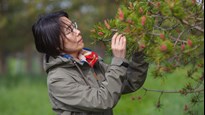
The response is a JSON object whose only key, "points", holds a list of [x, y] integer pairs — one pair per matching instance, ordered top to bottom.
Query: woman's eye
{"points": [[68, 30]]}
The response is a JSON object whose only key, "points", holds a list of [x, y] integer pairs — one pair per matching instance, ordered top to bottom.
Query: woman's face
{"points": [[71, 38]]}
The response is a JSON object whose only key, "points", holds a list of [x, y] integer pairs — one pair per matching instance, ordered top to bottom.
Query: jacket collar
{"points": [[85, 56], [64, 60]]}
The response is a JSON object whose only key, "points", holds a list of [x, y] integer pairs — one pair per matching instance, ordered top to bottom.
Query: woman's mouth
{"points": [[81, 40]]}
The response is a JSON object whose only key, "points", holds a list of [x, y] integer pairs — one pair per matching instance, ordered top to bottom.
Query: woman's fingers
{"points": [[114, 39], [118, 39], [124, 42], [119, 45]]}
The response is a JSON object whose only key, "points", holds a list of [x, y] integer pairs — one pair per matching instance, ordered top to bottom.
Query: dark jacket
{"points": [[77, 89]]}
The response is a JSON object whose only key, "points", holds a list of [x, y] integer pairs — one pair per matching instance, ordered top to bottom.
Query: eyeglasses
{"points": [[72, 27]]}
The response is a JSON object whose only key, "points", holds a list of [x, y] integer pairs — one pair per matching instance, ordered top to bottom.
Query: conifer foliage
{"points": [[169, 32]]}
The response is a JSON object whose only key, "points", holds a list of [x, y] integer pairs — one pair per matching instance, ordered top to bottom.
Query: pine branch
{"points": [[194, 26], [167, 29], [177, 40], [173, 91]]}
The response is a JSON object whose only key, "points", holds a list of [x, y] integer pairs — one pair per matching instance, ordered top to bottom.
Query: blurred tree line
{"points": [[17, 17]]}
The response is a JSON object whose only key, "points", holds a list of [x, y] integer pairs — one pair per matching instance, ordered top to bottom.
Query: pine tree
{"points": [[169, 32]]}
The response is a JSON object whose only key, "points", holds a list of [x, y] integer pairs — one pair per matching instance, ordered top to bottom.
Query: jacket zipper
{"points": [[83, 76], [96, 77]]}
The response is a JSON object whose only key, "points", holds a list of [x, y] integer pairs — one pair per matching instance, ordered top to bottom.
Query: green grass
{"points": [[26, 95], [172, 104]]}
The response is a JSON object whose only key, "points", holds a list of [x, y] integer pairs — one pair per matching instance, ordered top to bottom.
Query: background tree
{"points": [[17, 17], [150, 18], [15, 31], [169, 32]]}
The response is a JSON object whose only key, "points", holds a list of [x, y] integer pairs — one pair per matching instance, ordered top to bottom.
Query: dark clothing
{"points": [[75, 88]]}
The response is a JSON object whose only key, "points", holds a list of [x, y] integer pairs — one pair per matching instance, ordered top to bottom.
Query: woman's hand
{"points": [[119, 46]]}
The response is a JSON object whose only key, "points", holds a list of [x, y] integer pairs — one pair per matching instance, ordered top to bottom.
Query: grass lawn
{"points": [[25, 95], [172, 104]]}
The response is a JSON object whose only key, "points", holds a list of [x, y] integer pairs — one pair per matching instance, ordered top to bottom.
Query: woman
{"points": [[79, 82]]}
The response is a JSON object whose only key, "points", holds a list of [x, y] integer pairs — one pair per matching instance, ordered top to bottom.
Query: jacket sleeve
{"points": [[136, 73], [69, 92]]}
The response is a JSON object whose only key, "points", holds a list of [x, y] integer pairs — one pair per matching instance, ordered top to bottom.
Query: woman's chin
{"points": [[81, 46]]}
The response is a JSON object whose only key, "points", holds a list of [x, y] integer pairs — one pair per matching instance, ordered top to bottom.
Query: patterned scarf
{"points": [[85, 55], [90, 57]]}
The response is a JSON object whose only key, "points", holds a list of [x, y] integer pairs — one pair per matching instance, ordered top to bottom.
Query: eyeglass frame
{"points": [[73, 25]]}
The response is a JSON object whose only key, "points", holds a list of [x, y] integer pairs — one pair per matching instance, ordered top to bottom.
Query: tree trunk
{"points": [[3, 6], [28, 59], [3, 62], [41, 64]]}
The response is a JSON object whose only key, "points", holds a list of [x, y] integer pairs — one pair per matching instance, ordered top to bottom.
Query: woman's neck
{"points": [[73, 54]]}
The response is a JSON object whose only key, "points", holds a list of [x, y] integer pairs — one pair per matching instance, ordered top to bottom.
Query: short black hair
{"points": [[46, 31]]}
